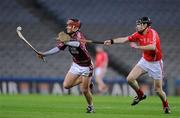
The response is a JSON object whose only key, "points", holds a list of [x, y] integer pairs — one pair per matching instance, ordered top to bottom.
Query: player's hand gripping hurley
{"points": [[18, 30]]}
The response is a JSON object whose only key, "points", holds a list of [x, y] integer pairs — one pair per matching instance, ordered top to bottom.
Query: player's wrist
{"points": [[112, 41]]}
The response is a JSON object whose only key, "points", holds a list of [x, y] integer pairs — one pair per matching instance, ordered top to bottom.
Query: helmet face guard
{"points": [[144, 20], [74, 22], [71, 24]]}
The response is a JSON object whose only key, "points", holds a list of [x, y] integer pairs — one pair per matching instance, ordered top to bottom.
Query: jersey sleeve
{"points": [[133, 37], [153, 37]]}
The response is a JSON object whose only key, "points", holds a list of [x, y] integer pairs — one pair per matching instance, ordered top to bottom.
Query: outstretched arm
{"points": [[116, 40], [120, 40], [56, 49], [49, 52]]}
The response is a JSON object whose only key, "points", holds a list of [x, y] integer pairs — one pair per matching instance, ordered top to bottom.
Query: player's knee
{"points": [[130, 79], [66, 86], [158, 88], [84, 90]]}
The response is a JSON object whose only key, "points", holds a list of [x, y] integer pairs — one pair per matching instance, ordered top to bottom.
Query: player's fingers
{"points": [[107, 42], [40, 56], [44, 60]]}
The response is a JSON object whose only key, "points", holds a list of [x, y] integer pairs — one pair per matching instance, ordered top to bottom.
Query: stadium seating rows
{"points": [[101, 20]]}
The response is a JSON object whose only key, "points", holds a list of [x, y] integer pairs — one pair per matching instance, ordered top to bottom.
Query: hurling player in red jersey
{"points": [[147, 40], [101, 63], [82, 68]]}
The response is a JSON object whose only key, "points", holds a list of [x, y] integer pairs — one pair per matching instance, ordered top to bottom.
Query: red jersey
{"points": [[151, 37], [80, 54], [101, 59]]}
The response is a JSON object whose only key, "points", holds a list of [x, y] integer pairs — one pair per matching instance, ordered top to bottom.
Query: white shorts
{"points": [[154, 69], [80, 70], [100, 70]]}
